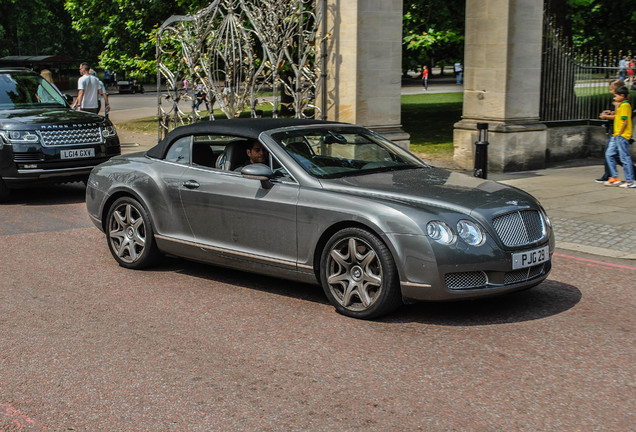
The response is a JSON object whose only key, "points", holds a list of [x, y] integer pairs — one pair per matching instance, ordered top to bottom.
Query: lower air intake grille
{"points": [[27, 157], [523, 274], [466, 280]]}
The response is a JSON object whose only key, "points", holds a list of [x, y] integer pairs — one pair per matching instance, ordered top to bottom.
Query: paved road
{"points": [[89, 346]]}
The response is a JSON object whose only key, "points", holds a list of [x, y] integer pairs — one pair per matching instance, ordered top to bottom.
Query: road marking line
{"points": [[600, 263]]}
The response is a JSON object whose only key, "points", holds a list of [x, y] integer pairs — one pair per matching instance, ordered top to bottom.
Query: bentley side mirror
{"points": [[260, 172]]}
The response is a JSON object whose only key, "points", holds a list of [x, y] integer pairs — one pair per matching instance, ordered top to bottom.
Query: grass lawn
{"points": [[428, 118]]}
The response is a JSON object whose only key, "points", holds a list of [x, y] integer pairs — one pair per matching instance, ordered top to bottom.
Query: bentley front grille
{"points": [[520, 228]]}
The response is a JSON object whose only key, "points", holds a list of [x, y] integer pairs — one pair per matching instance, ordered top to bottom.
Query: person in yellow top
{"points": [[620, 141]]}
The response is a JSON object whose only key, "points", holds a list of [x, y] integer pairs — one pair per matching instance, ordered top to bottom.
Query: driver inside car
{"points": [[255, 154]]}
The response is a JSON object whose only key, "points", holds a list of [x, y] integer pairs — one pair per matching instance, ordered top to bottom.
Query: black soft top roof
{"points": [[249, 128]]}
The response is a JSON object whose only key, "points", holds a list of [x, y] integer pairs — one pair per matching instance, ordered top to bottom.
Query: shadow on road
{"points": [[65, 193], [248, 280], [548, 299], [545, 300]]}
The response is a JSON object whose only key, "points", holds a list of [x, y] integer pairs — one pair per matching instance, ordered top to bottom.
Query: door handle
{"points": [[191, 184]]}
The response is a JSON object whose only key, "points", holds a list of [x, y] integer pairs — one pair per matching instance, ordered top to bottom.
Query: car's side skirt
{"points": [[235, 259]]}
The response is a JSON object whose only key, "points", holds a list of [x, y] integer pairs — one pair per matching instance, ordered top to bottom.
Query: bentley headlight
{"points": [[440, 232], [470, 232]]}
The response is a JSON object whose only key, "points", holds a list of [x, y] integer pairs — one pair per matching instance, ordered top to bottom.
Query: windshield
{"points": [[26, 90], [331, 153]]}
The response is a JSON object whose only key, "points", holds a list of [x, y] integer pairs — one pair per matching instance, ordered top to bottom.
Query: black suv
{"points": [[42, 139]]}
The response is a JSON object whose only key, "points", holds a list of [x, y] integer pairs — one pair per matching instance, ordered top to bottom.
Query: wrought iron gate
{"points": [[234, 50]]}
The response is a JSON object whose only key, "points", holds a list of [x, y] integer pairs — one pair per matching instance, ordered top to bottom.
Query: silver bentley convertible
{"points": [[319, 202]]}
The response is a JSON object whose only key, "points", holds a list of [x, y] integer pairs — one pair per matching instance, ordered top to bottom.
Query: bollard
{"points": [[481, 152]]}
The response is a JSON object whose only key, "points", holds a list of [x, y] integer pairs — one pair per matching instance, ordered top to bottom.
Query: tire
{"points": [[4, 192], [130, 235], [364, 284]]}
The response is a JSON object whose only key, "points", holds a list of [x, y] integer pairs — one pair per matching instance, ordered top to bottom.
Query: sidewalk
{"points": [[587, 217]]}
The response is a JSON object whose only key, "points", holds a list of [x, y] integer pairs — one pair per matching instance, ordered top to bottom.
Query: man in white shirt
{"points": [[89, 91], [104, 93]]}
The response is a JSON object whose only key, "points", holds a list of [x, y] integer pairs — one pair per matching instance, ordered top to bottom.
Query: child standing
{"points": [[425, 77], [620, 141]]}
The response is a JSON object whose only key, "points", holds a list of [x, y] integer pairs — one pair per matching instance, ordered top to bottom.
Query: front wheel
{"points": [[130, 236], [358, 274]]}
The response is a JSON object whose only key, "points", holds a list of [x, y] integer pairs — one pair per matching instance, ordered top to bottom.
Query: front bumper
{"points": [[24, 167], [436, 272]]}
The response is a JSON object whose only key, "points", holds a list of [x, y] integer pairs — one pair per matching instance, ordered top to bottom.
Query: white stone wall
{"points": [[365, 62], [502, 71], [502, 78]]}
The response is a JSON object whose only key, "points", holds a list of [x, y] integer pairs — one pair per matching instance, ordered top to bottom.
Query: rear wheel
{"points": [[130, 236], [358, 274]]}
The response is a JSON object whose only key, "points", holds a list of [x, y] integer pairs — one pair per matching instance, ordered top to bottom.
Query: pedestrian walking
{"points": [[458, 68], [622, 69], [425, 77], [88, 91], [103, 95], [201, 96], [608, 124], [619, 144]]}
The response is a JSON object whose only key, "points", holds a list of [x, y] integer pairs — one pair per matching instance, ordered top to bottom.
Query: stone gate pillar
{"points": [[364, 65], [502, 77]]}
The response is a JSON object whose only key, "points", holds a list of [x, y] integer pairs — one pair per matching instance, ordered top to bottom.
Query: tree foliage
{"points": [[594, 24], [40, 27], [126, 29], [120, 33], [433, 33]]}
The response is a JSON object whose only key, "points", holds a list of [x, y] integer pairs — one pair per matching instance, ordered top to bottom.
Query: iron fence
{"points": [[574, 84]]}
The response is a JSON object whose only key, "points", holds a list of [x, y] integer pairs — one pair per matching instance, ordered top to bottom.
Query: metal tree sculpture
{"points": [[233, 48]]}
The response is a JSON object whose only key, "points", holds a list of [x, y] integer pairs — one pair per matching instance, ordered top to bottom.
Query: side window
{"points": [[206, 149], [179, 151], [280, 173]]}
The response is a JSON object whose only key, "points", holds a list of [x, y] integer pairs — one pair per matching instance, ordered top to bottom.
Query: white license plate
{"points": [[77, 153], [530, 258]]}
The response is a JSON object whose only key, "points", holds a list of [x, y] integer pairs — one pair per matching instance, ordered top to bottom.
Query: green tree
{"points": [[594, 24], [40, 27], [126, 29], [433, 33]]}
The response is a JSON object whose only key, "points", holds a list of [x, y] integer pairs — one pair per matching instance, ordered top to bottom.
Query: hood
{"points": [[36, 119], [436, 187]]}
